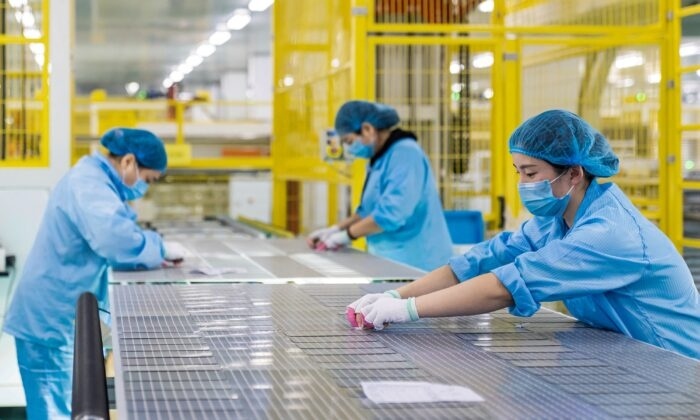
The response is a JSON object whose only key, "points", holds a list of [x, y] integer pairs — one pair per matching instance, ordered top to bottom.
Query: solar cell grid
{"points": [[285, 351]]}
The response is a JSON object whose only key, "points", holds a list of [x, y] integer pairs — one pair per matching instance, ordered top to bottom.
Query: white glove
{"points": [[320, 234], [336, 240], [174, 251], [370, 298], [386, 310]]}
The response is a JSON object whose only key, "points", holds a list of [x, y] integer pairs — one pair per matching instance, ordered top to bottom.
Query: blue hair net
{"points": [[352, 114], [563, 138], [146, 146]]}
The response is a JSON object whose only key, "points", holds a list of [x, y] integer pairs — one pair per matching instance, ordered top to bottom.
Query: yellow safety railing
{"points": [[463, 75], [24, 93], [684, 128], [199, 134]]}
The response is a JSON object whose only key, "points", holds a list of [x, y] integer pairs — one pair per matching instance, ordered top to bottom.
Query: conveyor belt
{"points": [[221, 227], [269, 260], [285, 351]]}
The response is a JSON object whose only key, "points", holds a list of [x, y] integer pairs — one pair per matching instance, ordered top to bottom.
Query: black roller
{"points": [[89, 379]]}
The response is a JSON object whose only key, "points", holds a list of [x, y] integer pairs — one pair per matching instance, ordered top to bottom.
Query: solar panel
{"points": [[230, 259], [285, 351]]}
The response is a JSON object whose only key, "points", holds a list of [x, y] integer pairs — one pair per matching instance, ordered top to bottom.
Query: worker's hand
{"points": [[316, 237], [335, 241], [174, 251], [369, 298], [387, 310], [353, 311]]}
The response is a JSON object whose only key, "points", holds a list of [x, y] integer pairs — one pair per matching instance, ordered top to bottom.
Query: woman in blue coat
{"points": [[400, 213], [87, 228], [587, 245]]}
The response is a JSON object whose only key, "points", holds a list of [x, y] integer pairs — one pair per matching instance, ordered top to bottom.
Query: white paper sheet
{"points": [[209, 271], [382, 392]]}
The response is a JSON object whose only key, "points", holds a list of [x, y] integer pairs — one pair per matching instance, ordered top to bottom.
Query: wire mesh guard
{"points": [[285, 351]]}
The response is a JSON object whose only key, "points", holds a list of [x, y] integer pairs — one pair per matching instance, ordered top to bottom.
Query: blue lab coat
{"points": [[401, 194], [87, 227], [613, 269]]}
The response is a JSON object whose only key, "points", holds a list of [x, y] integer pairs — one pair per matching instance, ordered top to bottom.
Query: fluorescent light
{"points": [[259, 5], [486, 6], [28, 18], [239, 20], [32, 33], [219, 37], [36, 48], [688, 49], [205, 50], [194, 60], [483, 61], [626, 61], [335, 63], [455, 67], [184, 68], [176, 76], [654, 78], [288, 80], [624, 83], [456, 87], [131, 88], [488, 93]]}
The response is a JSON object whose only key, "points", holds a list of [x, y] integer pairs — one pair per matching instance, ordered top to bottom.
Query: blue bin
{"points": [[465, 226]]}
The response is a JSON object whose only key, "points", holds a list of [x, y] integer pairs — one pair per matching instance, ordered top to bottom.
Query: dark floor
{"points": [[12, 413]]}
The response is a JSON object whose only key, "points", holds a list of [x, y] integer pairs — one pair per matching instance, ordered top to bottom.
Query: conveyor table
{"points": [[269, 261], [286, 351]]}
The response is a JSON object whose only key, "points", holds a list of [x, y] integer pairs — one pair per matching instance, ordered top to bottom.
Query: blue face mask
{"points": [[361, 150], [137, 190], [538, 198]]}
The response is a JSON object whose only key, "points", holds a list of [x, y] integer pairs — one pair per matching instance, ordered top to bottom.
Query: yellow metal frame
{"points": [[659, 25], [675, 70], [43, 99], [180, 149], [498, 152]]}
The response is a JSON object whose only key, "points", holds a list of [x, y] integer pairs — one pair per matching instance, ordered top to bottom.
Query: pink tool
{"points": [[351, 316]]}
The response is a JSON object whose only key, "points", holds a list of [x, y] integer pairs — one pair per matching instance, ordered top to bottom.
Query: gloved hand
{"points": [[318, 235], [335, 241], [174, 251], [354, 309], [386, 310]]}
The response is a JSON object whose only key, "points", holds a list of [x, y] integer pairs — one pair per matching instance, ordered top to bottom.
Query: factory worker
{"points": [[400, 213], [87, 228], [587, 245]]}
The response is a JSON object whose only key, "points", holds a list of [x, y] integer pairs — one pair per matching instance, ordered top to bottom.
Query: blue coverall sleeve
{"points": [[402, 187], [110, 229], [488, 255], [592, 259]]}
